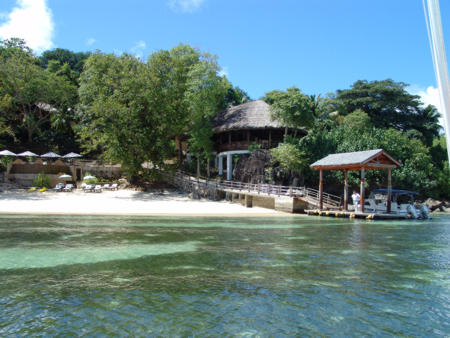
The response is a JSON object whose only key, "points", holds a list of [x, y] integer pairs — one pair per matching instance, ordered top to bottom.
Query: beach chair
{"points": [[83, 185], [106, 186], [114, 186], [59, 187], [68, 187], [89, 188], [98, 188]]}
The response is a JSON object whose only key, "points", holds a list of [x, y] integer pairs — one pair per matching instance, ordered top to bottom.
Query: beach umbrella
{"points": [[7, 153], [28, 154], [50, 155], [72, 155], [65, 176], [88, 177]]}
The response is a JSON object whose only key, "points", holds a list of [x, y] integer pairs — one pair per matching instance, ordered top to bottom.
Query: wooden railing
{"points": [[243, 145], [274, 190]]}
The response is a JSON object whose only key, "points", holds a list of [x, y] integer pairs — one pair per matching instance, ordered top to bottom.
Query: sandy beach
{"points": [[121, 202]]}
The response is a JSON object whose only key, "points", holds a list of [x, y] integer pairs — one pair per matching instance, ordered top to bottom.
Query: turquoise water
{"points": [[223, 277]]}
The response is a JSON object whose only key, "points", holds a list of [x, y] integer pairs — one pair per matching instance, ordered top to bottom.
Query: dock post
{"points": [[321, 190], [346, 190], [362, 190], [389, 192]]}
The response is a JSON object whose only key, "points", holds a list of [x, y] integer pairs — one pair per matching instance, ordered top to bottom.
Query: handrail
{"points": [[259, 188]]}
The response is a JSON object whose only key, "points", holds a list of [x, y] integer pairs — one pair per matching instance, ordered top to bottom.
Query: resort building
{"points": [[236, 128]]}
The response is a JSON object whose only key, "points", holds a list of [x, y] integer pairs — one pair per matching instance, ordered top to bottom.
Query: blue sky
{"points": [[317, 45]]}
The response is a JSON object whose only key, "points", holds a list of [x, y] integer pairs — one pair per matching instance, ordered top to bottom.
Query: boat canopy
{"points": [[395, 191]]}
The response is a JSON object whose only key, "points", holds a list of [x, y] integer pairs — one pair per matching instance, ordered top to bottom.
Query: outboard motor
{"points": [[411, 210], [424, 212]]}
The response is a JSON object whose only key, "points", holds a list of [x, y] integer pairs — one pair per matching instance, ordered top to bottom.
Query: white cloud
{"points": [[186, 5], [32, 21], [90, 41], [138, 49], [223, 71], [428, 96]]}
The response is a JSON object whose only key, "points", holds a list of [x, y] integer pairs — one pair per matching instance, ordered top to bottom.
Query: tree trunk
{"points": [[296, 129], [285, 134], [30, 135], [180, 152], [198, 165], [209, 171]]}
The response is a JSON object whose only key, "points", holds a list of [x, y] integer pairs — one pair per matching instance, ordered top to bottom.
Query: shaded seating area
{"points": [[358, 161]]}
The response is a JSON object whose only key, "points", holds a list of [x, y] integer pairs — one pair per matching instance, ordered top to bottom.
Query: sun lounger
{"points": [[83, 185], [106, 186], [114, 186], [59, 187], [68, 187], [89, 188], [98, 188]]}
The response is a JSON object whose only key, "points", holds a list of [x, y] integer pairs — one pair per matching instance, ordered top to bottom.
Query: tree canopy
{"points": [[29, 94], [389, 105], [291, 108], [131, 109]]}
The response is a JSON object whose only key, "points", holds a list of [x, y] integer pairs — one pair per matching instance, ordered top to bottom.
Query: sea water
{"points": [[223, 277]]}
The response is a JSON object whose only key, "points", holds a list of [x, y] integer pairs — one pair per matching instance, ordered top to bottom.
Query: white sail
{"points": [[440, 64]]}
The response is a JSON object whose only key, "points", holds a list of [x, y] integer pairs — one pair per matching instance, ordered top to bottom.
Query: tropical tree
{"points": [[13, 46], [60, 56], [205, 90], [29, 94], [291, 108], [132, 109], [358, 120], [427, 123]]}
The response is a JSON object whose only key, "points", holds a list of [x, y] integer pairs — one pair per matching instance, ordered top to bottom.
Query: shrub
{"points": [[253, 146], [42, 181]]}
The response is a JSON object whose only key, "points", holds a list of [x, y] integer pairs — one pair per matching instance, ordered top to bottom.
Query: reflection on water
{"points": [[251, 277]]}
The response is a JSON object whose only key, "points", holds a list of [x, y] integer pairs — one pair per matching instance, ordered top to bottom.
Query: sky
{"points": [[317, 45]]}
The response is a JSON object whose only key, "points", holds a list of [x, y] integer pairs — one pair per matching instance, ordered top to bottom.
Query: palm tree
{"points": [[427, 123]]}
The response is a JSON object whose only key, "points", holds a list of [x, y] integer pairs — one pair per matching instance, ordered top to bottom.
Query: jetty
{"points": [[291, 199]]}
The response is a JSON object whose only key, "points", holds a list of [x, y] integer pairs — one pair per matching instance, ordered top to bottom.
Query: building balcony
{"points": [[243, 145]]}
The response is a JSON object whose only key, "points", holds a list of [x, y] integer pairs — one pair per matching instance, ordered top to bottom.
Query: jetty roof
{"points": [[250, 115], [368, 159]]}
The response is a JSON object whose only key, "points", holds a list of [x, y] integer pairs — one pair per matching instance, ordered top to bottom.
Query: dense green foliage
{"points": [[31, 95], [388, 105], [291, 108], [131, 109], [289, 157], [417, 172], [42, 181]]}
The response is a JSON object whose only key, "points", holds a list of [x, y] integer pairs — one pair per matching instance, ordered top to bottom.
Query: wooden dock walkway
{"points": [[352, 214]]}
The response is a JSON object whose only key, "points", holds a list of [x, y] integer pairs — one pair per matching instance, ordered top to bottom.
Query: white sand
{"points": [[122, 202]]}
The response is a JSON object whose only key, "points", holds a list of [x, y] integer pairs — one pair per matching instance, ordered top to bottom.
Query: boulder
{"points": [[258, 167], [194, 196], [433, 204]]}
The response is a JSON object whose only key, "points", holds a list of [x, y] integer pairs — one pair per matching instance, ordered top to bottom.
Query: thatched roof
{"points": [[250, 115]]}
